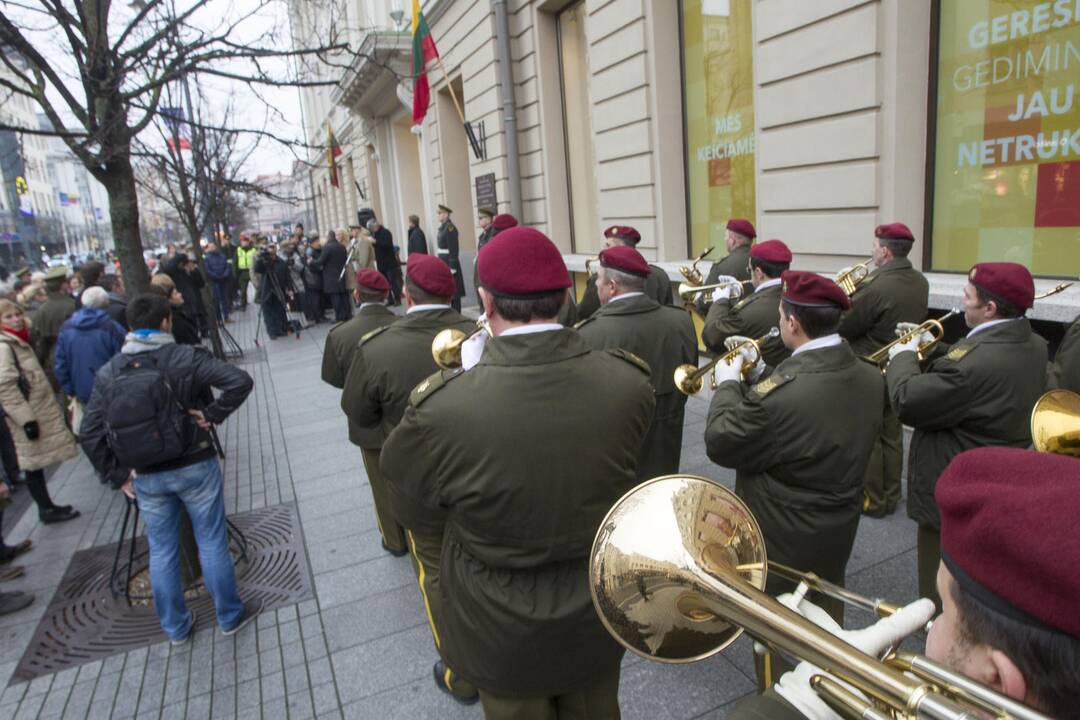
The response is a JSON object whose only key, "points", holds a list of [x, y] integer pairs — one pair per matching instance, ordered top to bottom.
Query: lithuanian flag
{"points": [[423, 52], [332, 151]]}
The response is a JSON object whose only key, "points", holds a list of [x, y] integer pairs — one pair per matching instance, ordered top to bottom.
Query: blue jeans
{"points": [[222, 299], [198, 488]]}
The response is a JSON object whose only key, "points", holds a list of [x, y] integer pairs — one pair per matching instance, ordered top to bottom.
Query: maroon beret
{"points": [[504, 221], [743, 227], [898, 231], [624, 232], [774, 251], [625, 259], [521, 262], [431, 274], [372, 280], [1009, 281], [812, 290], [1008, 532]]}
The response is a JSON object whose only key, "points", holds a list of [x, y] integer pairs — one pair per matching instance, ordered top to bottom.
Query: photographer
{"points": [[275, 290], [145, 432]]}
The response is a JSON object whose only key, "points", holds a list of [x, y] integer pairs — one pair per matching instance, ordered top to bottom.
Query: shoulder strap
{"points": [[582, 323], [372, 333], [960, 351], [627, 356], [770, 383], [432, 384]]}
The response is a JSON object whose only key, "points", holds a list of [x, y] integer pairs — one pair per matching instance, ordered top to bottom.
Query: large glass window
{"points": [[719, 110], [1006, 170]]}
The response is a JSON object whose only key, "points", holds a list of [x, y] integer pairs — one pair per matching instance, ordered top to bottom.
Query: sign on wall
{"points": [[719, 107], [1007, 145], [486, 196]]}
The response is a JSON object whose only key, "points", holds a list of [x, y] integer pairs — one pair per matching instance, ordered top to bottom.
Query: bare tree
{"points": [[99, 71]]}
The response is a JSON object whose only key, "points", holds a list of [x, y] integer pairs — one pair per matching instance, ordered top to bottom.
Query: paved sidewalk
{"points": [[361, 648]]}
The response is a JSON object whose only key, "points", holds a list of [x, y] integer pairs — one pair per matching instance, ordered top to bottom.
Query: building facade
{"points": [[817, 121]]}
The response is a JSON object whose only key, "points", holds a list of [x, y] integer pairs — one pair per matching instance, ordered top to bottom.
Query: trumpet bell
{"points": [[446, 348], [688, 380], [1055, 423], [657, 552]]}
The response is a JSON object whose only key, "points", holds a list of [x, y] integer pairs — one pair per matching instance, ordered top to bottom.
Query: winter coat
{"points": [[330, 263], [217, 267], [276, 269], [312, 275], [118, 309], [184, 327], [45, 328], [87, 341], [55, 443]]}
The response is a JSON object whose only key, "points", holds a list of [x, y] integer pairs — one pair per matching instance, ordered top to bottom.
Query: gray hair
{"points": [[372, 224], [627, 281], [95, 297]]}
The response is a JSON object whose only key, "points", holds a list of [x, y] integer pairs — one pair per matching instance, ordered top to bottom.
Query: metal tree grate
{"points": [[84, 623]]}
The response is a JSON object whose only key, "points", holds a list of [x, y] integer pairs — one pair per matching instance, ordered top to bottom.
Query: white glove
{"points": [[729, 292], [904, 328], [911, 345], [473, 349], [748, 354], [723, 372], [795, 687]]}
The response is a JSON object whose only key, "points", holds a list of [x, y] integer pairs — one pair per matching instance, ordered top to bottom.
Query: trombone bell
{"points": [[446, 345], [1055, 423]]}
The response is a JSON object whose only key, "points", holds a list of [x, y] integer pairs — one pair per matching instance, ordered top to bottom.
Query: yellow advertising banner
{"points": [[719, 92], [1007, 143]]}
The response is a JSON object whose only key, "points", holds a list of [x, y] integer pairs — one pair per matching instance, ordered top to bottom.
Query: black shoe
{"points": [[58, 514], [10, 552], [395, 553], [14, 602], [252, 608], [439, 671]]}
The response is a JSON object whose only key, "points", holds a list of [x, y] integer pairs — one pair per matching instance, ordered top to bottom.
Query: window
{"points": [[719, 111], [1006, 153]]}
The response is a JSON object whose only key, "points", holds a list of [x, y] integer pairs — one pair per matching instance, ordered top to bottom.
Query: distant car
{"points": [[56, 262]]}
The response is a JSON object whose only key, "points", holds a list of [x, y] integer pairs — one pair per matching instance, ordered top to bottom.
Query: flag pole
{"points": [[450, 86]]}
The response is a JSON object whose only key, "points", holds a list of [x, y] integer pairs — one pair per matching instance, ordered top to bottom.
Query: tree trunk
{"points": [[119, 181]]}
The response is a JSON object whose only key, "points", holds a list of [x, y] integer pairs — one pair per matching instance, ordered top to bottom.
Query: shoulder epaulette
{"points": [[742, 303], [582, 323], [335, 326], [372, 333], [959, 352], [632, 359], [432, 383], [770, 383]]}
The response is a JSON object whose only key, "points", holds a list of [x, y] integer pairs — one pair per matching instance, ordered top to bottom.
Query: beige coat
{"points": [[55, 443]]}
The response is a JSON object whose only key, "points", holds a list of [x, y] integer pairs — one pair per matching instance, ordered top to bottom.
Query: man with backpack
{"points": [[148, 429]]}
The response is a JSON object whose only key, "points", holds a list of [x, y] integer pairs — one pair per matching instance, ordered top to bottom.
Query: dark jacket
{"points": [[417, 241], [385, 257], [331, 260], [217, 267], [312, 274], [276, 281], [187, 283], [657, 286], [893, 293], [117, 309], [752, 316], [184, 327], [45, 329], [87, 341], [1064, 372], [193, 373]]}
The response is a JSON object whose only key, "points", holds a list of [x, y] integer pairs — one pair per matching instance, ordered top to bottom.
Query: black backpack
{"points": [[145, 421]]}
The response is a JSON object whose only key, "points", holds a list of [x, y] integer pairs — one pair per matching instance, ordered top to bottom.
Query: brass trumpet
{"points": [[591, 265], [692, 274], [850, 279], [1055, 290], [688, 291], [935, 327], [446, 345], [689, 379], [1055, 423], [677, 572]]}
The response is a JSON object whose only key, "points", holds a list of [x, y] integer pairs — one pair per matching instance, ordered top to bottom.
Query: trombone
{"points": [[692, 274], [850, 279], [688, 291], [935, 327], [446, 346], [689, 379], [1055, 423], [677, 572]]}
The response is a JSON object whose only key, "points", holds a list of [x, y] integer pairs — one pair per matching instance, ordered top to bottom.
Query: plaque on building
{"points": [[485, 192]]}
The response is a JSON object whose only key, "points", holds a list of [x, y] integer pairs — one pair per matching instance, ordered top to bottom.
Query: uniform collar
{"points": [[768, 284], [626, 296], [424, 308], [989, 324], [530, 329], [549, 343], [818, 343]]}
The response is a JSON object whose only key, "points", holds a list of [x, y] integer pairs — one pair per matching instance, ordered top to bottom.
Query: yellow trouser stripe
{"points": [[421, 576]]}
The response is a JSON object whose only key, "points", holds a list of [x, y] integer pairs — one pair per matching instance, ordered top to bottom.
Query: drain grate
{"points": [[84, 623]]}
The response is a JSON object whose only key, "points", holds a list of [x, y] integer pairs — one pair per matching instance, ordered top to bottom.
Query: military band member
{"points": [[484, 217], [738, 236], [447, 243], [658, 286], [371, 292], [893, 293], [754, 314], [661, 335], [386, 366], [1065, 370], [978, 392], [799, 439], [506, 459], [1009, 617]]}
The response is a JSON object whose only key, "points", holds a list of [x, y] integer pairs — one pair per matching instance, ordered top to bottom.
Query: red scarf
{"points": [[23, 334]]}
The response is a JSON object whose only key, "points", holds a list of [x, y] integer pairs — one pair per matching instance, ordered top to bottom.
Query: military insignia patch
{"points": [[971, 276], [368, 335], [958, 352], [770, 383], [431, 384]]}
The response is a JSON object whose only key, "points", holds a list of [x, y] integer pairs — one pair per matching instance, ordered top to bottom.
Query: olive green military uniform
{"points": [[483, 240], [447, 244], [736, 264], [657, 286], [893, 293], [568, 313], [752, 317], [45, 329], [664, 338], [341, 345], [387, 365], [1065, 370], [979, 392], [799, 441], [518, 460]]}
